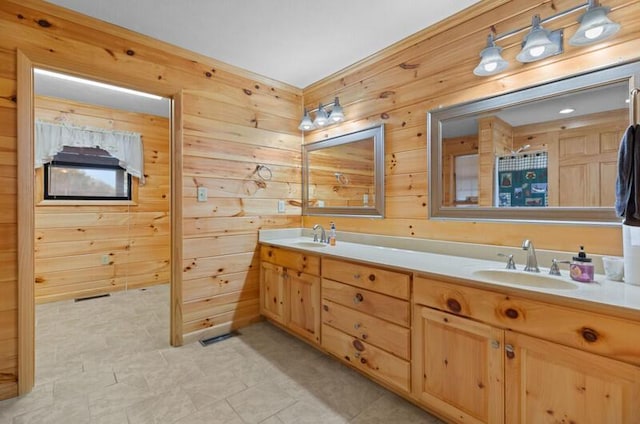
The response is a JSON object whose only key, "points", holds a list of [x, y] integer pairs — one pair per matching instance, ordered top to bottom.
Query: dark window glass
{"points": [[86, 173]]}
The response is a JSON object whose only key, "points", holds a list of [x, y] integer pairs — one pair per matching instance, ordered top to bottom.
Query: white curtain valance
{"points": [[126, 146]]}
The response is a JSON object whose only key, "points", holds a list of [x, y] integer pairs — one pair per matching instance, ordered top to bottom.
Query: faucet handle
{"points": [[510, 262], [555, 269]]}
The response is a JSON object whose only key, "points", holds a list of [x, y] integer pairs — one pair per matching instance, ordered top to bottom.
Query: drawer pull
{"points": [[372, 277], [358, 298], [454, 305], [511, 313], [356, 325], [590, 335], [495, 344], [358, 345], [510, 351]]}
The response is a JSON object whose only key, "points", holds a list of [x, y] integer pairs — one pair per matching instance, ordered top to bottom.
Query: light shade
{"points": [[594, 26], [540, 43], [491, 61], [337, 114], [322, 118], [306, 124]]}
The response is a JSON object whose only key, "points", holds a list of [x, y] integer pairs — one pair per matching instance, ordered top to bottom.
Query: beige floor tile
{"points": [[259, 402], [164, 408], [217, 413]]}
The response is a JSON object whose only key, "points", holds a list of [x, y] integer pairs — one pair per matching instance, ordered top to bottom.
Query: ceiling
{"points": [[297, 42]]}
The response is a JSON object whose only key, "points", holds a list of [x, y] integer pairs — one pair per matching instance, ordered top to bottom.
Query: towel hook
{"points": [[264, 172]]}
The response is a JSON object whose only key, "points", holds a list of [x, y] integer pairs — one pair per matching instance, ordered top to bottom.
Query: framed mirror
{"points": [[544, 153], [344, 175]]}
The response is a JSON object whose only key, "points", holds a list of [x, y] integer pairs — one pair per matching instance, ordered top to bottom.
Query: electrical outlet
{"points": [[202, 194], [365, 199], [321, 203], [280, 206], [106, 259]]}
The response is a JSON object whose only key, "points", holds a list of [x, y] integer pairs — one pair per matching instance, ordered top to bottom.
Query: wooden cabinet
{"points": [[290, 290], [366, 319], [490, 357], [550, 383]]}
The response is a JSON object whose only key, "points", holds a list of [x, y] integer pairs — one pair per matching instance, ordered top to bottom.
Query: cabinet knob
{"points": [[372, 277], [358, 298], [453, 305], [589, 335], [365, 336], [495, 344], [358, 345], [511, 353], [357, 354], [363, 360]]}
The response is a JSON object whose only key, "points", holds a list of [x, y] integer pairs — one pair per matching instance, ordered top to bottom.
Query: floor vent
{"points": [[98, 296], [212, 340]]}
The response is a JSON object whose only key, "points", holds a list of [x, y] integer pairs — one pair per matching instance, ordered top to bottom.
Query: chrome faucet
{"points": [[323, 234], [532, 261]]}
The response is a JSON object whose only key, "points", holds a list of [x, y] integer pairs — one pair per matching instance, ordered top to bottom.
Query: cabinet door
{"points": [[272, 292], [304, 306], [458, 366], [550, 383]]}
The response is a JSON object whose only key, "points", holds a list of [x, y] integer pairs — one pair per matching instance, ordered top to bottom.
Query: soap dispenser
{"points": [[332, 234], [581, 268]]}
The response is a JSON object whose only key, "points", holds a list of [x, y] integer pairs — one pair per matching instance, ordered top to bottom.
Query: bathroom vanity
{"points": [[455, 336]]}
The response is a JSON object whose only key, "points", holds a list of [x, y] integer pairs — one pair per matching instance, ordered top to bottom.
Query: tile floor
{"points": [[108, 361]]}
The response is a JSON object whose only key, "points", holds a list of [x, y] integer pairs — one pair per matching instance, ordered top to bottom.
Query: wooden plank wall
{"points": [[435, 68], [246, 117], [70, 241]]}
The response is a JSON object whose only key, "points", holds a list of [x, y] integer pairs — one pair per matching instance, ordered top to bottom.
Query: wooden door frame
{"points": [[26, 214]]}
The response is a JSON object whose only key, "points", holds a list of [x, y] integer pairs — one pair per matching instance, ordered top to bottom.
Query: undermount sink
{"points": [[310, 244], [520, 278]]}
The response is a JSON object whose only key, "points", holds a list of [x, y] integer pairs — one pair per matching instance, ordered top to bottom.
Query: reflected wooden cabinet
{"points": [[290, 290], [458, 366], [550, 383]]}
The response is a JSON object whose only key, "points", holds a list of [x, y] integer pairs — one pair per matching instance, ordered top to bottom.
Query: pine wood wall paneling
{"points": [[63, 40], [399, 87], [221, 154], [130, 257]]}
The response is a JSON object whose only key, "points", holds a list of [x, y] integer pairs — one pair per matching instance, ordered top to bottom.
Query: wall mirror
{"points": [[544, 153], [344, 175]]}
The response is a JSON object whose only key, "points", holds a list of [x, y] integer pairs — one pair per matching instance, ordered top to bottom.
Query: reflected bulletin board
{"points": [[522, 180]]}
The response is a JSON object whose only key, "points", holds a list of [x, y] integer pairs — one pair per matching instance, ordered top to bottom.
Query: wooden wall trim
{"points": [[26, 224], [176, 330]]}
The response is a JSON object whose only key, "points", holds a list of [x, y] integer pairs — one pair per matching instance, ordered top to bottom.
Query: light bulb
{"points": [[594, 33], [536, 51], [491, 66]]}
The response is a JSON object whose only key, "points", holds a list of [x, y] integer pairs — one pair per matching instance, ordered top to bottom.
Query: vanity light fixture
{"points": [[594, 25], [541, 43], [491, 61], [323, 118]]}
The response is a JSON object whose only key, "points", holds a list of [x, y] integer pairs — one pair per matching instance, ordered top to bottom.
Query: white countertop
{"points": [[601, 293]]}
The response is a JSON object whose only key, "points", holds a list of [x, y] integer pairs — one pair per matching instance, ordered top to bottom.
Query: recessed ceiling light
{"points": [[96, 84], [567, 110]]}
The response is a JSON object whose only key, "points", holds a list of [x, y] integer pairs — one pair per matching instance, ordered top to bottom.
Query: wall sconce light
{"points": [[541, 43], [323, 118]]}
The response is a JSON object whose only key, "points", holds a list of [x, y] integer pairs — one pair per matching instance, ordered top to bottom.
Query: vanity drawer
{"points": [[291, 259], [371, 278], [372, 303], [383, 334], [602, 334], [368, 358]]}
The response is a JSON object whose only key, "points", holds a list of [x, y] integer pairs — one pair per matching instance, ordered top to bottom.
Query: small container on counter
{"points": [[581, 268]]}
